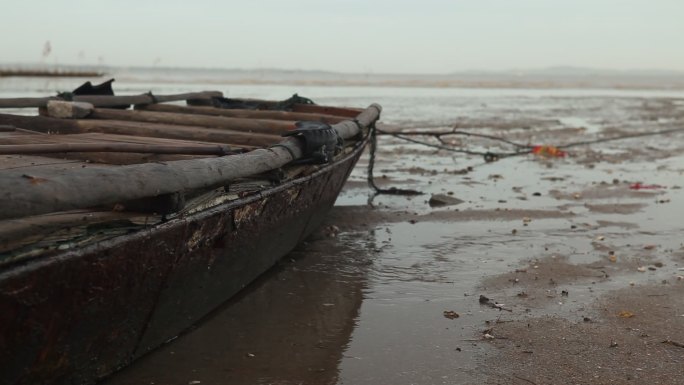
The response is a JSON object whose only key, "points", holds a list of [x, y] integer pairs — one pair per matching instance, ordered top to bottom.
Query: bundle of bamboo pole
{"points": [[44, 191]]}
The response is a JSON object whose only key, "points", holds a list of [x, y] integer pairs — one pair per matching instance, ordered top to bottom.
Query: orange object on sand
{"points": [[548, 151], [641, 186]]}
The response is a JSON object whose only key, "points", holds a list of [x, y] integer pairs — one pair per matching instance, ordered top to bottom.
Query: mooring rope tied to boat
{"points": [[488, 156], [371, 164]]}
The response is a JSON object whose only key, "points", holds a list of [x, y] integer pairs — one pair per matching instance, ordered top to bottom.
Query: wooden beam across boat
{"points": [[42, 192]]}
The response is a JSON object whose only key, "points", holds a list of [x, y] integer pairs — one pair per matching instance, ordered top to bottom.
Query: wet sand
{"points": [[582, 273]]}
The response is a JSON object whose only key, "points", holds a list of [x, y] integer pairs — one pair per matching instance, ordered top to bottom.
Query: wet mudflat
{"points": [[551, 269]]}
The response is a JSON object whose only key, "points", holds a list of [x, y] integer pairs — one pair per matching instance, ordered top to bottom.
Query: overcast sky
{"points": [[395, 36]]}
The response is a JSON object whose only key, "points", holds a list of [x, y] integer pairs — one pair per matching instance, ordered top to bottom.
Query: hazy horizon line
{"points": [[554, 69]]}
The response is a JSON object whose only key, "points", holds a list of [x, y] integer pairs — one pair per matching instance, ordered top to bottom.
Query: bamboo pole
{"points": [[110, 100], [316, 109], [77, 110], [347, 112], [237, 113], [41, 124], [76, 126], [260, 126], [157, 130], [53, 148], [114, 158], [43, 191]]}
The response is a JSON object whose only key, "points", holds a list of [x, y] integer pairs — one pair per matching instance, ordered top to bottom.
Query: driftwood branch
{"points": [[48, 191]]}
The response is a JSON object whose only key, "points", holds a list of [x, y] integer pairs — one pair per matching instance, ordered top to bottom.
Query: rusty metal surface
{"points": [[78, 316]]}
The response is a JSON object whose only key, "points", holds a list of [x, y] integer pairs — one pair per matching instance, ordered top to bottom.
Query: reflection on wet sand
{"points": [[289, 327]]}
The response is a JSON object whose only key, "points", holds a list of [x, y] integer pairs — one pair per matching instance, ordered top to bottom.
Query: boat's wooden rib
{"points": [[245, 114]]}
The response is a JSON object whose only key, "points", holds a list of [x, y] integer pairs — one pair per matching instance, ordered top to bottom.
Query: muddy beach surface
{"points": [[542, 270]]}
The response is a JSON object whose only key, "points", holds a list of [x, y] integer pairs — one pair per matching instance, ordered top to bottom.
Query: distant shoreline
{"points": [[52, 73], [550, 78], [446, 84]]}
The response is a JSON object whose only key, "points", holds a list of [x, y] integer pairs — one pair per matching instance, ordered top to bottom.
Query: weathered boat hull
{"points": [[78, 316]]}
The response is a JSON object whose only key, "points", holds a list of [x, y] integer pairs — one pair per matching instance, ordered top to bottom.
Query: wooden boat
{"points": [[121, 228]]}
